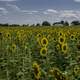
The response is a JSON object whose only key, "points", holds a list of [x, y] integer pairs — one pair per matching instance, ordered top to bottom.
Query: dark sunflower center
{"points": [[60, 33], [0, 34], [8, 35], [39, 35], [72, 37], [61, 39], [44, 41], [78, 46], [64, 47], [44, 52], [35, 70]]}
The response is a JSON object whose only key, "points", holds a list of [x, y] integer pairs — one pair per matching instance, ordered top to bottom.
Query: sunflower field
{"points": [[42, 53]]}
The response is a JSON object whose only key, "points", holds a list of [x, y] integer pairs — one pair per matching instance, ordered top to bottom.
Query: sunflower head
{"points": [[60, 33], [1, 35], [8, 35], [39, 35], [72, 36], [61, 39], [44, 41], [78, 46], [13, 47], [64, 48], [43, 51], [35, 64], [76, 69], [37, 72], [58, 74]]}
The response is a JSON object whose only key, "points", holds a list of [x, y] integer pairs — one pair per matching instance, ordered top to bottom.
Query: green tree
{"points": [[46, 23], [66, 23], [75, 23], [38, 24]]}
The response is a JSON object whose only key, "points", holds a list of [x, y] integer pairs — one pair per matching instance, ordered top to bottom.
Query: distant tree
{"points": [[62, 22], [46, 23], [66, 23], [75, 23], [0, 24], [38, 24], [4, 25], [14, 25], [25, 25], [33, 25]]}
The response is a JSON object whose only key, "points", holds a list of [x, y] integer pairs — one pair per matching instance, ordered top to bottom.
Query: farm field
{"points": [[40, 53]]}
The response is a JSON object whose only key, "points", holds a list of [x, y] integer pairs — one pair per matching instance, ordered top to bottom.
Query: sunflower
{"points": [[60, 33], [1, 35], [8, 35], [20, 35], [38, 37], [72, 37], [61, 39], [44, 41], [58, 46], [78, 46], [13, 47], [64, 47], [43, 51], [76, 70], [37, 72], [58, 74], [38, 75]]}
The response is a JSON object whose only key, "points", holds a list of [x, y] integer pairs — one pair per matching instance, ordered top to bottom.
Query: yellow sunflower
{"points": [[60, 33], [1, 35], [8, 35], [18, 35], [72, 36], [38, 37], [49, 37], [61, 39], [44, 41], [58, 46], [13, 47], [64, 47], [43, 51], [77, 70], [37, 72], [58, 74], [38, 75]]}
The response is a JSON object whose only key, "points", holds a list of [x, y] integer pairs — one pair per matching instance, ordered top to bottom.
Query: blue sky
{"points": [[36, 11]]}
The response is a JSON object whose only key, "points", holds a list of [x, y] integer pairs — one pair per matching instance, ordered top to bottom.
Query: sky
{"points": [[37, 11]]}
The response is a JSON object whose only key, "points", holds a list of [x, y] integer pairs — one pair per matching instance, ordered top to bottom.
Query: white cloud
{"points": [[8, 0], [77, 0], [14, 7], [51, 10], [3, 11], [29, 11], [62, 13], [68, 13], [18, 15]]}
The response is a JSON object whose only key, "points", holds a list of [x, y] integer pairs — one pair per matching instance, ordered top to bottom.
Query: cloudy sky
{"points": [[36, 11]]}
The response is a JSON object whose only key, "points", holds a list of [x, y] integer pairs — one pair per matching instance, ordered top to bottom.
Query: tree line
{"points": [[44, 23]]}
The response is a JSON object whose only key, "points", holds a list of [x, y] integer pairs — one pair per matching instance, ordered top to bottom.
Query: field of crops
{"points": [[40, 53]]}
